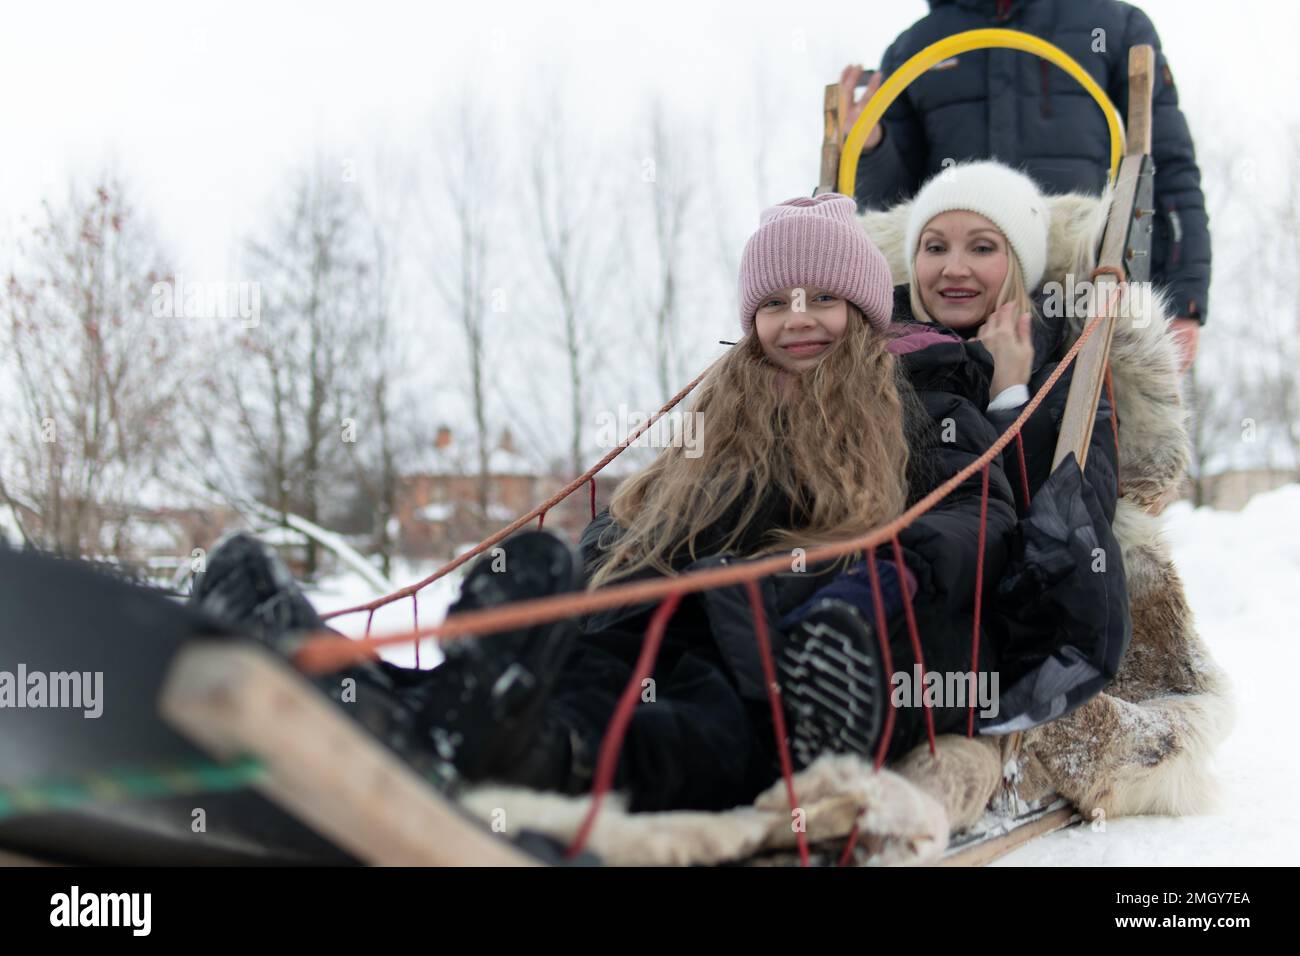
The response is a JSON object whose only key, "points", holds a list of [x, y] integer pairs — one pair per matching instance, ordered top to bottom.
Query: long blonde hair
{"points": [[1013, 289], [834, 442]]}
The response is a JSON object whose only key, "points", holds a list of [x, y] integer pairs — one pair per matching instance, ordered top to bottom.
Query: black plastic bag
{"points": [[1062, 606]]}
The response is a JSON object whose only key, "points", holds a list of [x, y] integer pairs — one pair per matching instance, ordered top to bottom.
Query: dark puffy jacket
{"points": [[1021, 110], [950, 381], [1039, 433], [1061, 616]]}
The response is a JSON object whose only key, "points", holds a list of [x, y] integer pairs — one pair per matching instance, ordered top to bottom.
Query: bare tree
{"points": [[465, 148], [671, 195], [566, 205], [92, 373], [291, 381], [391, 421]]}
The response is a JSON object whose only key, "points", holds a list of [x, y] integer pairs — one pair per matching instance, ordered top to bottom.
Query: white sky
{"points": [[206, 105], [207, 108]]}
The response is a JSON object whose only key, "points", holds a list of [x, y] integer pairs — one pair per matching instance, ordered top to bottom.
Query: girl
{"points": [[977, 245], [819, 424]]}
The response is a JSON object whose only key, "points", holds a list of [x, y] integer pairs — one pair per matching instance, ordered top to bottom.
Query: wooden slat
{"points": [[1141, 83], [833, 107], [1090, 365], [321, 765], [981, 854], [17, 859]]}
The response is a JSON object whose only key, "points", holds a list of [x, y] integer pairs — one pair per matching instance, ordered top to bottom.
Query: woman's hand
{"points": [[849, 81], [1008, 338]]}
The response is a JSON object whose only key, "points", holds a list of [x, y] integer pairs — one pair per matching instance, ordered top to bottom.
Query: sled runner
{"points": [[304, 783]]}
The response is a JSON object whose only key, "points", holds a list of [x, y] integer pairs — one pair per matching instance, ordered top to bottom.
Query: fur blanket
{"points": [[1142, 746]]}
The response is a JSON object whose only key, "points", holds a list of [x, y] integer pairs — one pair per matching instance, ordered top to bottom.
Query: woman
{"points": [[977, 249]]}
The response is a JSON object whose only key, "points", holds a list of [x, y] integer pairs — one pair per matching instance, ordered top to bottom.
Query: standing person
{"points": [[1021, 110]]}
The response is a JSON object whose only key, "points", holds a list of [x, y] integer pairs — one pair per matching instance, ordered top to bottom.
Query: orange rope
{"points": [[328, 651]]}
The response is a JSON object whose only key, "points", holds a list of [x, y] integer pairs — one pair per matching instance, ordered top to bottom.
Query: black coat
{"points": [[1023, 111], [950, 383], [1038, 436], [1061, 616]]}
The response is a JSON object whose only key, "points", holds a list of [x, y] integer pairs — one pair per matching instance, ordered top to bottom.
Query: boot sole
{"points": [[831, 683]]}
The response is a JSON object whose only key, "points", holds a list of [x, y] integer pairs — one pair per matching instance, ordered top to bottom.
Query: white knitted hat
{"points": [[1009, 199]]}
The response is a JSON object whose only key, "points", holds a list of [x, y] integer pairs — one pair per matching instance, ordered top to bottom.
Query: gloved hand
{"points": [[854, 586]]}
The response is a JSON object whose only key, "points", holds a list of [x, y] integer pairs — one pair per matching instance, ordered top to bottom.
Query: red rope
{"points": [[1114, 428], [1024, 472], [592, 482], [540, 518], [979, 597], [415, 611], [369, 620], [915, 637], [887, 658], [887, 670], [778, 712], [612, 744], [849, 844]]}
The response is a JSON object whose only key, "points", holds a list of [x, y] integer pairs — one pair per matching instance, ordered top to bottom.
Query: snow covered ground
{"points": [[1242, 572], [349, 589]]}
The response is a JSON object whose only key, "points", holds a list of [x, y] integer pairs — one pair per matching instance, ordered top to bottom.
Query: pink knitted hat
{"points": [[818, 243]]}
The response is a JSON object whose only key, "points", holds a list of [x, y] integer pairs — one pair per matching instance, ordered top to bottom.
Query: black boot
{"points": [[248, 588], [832, 683], [482, 708]]}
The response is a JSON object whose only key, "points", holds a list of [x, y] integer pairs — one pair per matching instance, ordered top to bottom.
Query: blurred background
{"points": [[394, 269]]}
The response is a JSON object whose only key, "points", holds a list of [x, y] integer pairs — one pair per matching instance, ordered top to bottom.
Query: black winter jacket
{"points": [[1023, 111], [1039, 433], [1061, 616]]}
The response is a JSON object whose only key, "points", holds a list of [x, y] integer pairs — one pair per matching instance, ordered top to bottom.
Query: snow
{"points": [[1241, 570], [349, 589]]}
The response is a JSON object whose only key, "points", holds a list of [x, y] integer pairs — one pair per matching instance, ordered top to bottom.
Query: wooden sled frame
{"points": [[321, 766], [326, 769]]}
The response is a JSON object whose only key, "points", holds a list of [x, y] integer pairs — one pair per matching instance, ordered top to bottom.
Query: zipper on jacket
{"points": [[1175, 236]]}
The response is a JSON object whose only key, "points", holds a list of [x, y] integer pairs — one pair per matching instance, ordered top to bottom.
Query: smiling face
{"points": [[961, 264], [798, 326]]}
